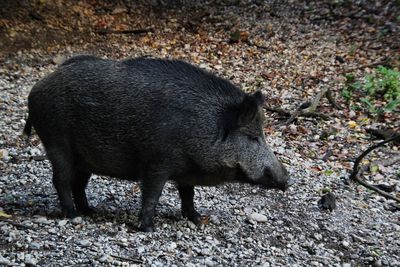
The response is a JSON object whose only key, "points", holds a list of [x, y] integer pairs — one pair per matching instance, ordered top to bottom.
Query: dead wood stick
{"points": [[331, 100], [315, 102], [310, 108], [280, 111], [286, 113], [316, 115], [293, 117], [383, 133], [356, 169]]}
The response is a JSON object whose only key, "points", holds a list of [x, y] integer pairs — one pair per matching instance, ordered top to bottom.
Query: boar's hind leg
{"points": [[63, 173], [79, 184], [151, 187], [186, 192]]}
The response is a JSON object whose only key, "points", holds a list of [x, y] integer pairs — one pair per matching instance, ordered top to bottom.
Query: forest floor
{"points": [[290, 50]]}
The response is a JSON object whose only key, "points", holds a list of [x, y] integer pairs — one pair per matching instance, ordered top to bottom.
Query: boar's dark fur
{"points": [[149, 120]]}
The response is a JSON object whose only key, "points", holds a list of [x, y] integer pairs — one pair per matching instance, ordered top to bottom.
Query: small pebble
{"points": [[4, 155], [258, 217], [41, 220], [77, 220], [62, 223], [84, 243], [34, 245], [171, 247], [104, 258], [30, 260], [4, 261], [209, 262]]}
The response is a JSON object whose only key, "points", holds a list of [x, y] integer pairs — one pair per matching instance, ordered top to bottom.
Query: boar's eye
{"points": [[253, 138]]}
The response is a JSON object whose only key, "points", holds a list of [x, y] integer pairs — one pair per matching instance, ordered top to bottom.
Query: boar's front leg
{"points": [[151, 191], [186, 192]]}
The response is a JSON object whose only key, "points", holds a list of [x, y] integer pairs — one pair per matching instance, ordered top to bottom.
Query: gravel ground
{"points": [[247, 226]]}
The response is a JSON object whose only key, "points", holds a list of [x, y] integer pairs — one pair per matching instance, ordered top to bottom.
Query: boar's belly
{"points": [[206, 178]]}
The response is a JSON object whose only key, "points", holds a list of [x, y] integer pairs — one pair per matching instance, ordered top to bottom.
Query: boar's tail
{"points": [[28, 127]]}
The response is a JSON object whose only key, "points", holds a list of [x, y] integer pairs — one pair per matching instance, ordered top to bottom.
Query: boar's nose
{"points": [[288, 184]]}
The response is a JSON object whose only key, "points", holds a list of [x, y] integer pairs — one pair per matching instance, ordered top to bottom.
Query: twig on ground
{"points": [[332, 100], [308, 109], [280, 111], [316, 115], [383, 133], [356, 169]]}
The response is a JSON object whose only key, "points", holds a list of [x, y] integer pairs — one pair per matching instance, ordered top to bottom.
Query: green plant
{"points": [[352, 50], [385, 83], [351, 84], [381, 90]]}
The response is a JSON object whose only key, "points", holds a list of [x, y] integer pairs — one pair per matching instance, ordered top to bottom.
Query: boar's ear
{"points": [[248, 109], [242, 114]]}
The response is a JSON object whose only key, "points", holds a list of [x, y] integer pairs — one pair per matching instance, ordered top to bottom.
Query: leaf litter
{"points": [[290, 50]]}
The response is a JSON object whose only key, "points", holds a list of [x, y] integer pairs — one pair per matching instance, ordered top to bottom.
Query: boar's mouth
{"points": [[242, 177], [268, 181]]}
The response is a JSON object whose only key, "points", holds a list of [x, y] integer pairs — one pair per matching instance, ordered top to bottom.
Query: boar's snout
{"points": [[278, 179], [288, 184]]}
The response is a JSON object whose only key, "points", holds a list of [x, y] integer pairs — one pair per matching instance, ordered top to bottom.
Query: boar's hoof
{"points": [[87, 211], [70, 214], [194, 217], [146, 228]]}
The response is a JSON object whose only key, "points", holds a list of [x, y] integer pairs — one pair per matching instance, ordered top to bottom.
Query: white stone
{"points": [[4, 155], [258, 217], [41, 220], [77, 220], [62, 223], [84, 243], [345, 244], [34, 245], [171, 247], [104, 258], [30, 260], [4, 261]]}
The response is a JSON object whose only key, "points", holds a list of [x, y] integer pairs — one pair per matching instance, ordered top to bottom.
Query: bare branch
{"points": [[308, 109], [356, 169]]}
